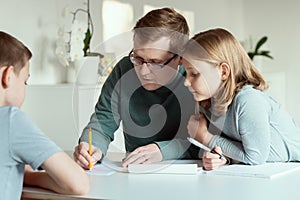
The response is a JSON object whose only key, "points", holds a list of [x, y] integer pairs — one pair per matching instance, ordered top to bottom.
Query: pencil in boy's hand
{"points": [[90, 147]]}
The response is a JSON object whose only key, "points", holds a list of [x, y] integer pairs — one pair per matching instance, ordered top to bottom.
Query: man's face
{"points": [[151, 57]]}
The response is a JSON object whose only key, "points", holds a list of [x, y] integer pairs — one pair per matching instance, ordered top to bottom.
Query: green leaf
{"points": [[87, 41], [260, 43], [256, 52], [266, 53], [251, 55]]}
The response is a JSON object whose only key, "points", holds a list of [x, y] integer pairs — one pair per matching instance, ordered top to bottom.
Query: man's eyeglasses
{"points": [[151, 66]]}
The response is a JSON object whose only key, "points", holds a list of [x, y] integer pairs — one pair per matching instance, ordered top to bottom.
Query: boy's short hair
{"points": [[163, 22], [13, 52]]}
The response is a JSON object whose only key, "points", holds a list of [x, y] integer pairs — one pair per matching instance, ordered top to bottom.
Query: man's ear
{"points": [[225, 71], [6, 77]]}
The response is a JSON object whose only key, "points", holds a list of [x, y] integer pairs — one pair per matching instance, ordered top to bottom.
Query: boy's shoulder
{"points": [[10, 112], [15, 120], [11, 123]]}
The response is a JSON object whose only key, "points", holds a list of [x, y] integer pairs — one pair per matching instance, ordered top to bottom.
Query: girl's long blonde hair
{"points": [[220, 46]]}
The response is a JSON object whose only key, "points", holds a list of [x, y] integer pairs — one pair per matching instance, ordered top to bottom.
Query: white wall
{"points": [[208, 13], [279, 21], [36, 23]]}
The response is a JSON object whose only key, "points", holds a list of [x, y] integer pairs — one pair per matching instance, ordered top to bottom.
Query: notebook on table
{"points": [[268, 170]]}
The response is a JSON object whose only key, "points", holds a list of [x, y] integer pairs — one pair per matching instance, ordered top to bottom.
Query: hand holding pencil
{"points": [[90, 148], [86, 155], [212, 158], [211, 161]]}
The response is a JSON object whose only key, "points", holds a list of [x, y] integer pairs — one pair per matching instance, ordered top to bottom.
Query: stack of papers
{"points": [[108, 167], [166, 167], [268, 170]]}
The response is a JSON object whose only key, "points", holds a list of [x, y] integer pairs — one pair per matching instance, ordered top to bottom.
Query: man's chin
{"points": [[151, 86]]}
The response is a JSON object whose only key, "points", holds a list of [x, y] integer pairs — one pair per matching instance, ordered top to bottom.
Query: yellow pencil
{"points": [[90, 147]]}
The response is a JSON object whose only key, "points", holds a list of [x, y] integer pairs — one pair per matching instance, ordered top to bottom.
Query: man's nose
{"points": [[144, 69], [187, 83]]}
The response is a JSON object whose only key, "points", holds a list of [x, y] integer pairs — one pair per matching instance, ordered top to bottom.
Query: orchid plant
{"points": [[73, 43]]}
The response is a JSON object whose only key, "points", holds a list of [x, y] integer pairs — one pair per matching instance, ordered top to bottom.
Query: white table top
{"points": [[200, 186]]}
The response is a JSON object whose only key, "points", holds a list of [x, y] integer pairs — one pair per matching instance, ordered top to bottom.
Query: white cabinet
{"points": [[63, 110]]}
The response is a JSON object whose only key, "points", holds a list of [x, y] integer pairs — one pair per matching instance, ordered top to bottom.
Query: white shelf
{"points": [[63, 110]]}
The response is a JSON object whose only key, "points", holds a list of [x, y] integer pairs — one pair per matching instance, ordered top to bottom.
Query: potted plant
{"points": [[73, 48], [258, 52]]}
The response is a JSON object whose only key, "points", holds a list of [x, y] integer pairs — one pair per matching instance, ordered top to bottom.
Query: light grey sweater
{"points": [[256, 129]]}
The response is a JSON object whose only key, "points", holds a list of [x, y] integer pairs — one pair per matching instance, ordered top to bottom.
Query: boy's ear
{"points": [[225, 71], [6, 77]]}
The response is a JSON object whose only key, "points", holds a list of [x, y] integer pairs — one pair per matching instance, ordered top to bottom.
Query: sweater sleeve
{"points": [[251, 119], [105, 120], [175, 149]]}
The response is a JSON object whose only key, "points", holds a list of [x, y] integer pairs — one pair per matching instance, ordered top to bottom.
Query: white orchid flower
{"points": [[79, 28], [63, 35], [76, 52], [62, 53]]}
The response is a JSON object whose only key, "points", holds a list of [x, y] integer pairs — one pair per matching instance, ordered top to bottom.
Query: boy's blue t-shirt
{"points": [[22, 142]]}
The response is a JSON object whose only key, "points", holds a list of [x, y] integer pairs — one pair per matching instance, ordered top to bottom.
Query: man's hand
{"points": [[143, 155], [82, 157]]}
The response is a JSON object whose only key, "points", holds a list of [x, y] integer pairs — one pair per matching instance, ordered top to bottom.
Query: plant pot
{"points": [[87, 70], [70, 73]]}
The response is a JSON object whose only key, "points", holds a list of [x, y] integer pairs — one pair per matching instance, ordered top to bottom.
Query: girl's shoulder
{"points": [[249, 92], [250, 96]]}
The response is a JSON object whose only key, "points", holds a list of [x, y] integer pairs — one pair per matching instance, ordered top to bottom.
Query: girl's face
{"points": [[202, 78]]}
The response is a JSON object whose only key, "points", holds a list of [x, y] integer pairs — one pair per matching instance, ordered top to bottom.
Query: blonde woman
{"points": [[236, 116]]}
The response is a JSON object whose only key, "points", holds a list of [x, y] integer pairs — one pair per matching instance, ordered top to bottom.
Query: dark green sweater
{"points": [[158, 116]]}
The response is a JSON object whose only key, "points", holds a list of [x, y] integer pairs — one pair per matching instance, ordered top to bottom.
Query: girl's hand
{"points": [[197, 128], [211, 161]]}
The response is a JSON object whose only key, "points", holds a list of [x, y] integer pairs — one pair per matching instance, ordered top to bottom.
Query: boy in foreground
{"points": [[23, 146]]}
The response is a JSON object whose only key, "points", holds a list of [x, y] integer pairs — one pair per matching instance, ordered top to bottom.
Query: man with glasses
{"points": [[145, 92]]}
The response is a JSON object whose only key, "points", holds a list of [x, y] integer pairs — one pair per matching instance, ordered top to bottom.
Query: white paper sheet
{"points": [[108, 167], [268, 170]]}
